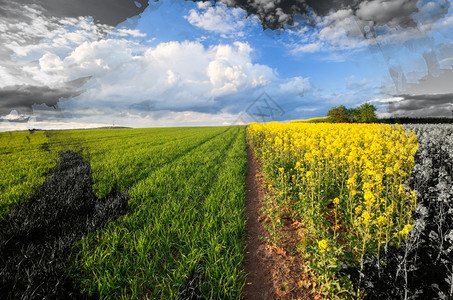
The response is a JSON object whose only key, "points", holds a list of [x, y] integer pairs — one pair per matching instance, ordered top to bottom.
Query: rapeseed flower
{"points": [[323, 245]]}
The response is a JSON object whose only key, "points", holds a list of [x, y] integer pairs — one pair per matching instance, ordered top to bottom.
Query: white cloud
{"points": [[392, 13], [219, 18], [374, 22], [336, 31], [125, 32], [35, 33], [308, 48], [231, 70], [173, 76], [178, 79], [295, 86], [385, 100], [382, 105], [14, 116]]}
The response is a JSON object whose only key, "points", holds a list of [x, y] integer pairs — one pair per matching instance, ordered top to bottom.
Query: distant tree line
{"points": [[365, 113], [413, 120]]}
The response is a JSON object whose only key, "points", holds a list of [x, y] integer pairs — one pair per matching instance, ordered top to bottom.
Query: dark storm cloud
{"points": [[109, 12], [277, 13], [22, 97], [415, 102], [423, 105]]}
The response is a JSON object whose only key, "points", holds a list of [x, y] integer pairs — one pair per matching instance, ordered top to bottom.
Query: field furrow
{"points": [[185, 208], [162, 234]]}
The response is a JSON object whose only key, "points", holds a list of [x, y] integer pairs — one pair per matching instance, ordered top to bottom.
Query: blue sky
{"points": [[178, 63]]}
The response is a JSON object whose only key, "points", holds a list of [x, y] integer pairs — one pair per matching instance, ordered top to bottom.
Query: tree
{"points": [[366, 113], [339, 114]]}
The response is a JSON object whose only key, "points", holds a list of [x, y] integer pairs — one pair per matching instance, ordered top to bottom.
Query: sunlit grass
{"points": [[185, 218]]}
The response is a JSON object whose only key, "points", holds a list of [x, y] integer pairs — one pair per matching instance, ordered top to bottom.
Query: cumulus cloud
{"points": [[384, 12], [278, 13], [218, 18], [376, 25], [22, 27], [335, 31], [29, 38], [105, 72], [128, 75], [175, 75], [14, 116]]}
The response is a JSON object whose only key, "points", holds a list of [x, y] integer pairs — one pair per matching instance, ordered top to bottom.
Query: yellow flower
{"points": [[281, 170], [309, 174], [350, 182], [401, 189], [369, 197], [336, 201], [358, 209], [365, 217], [381, 220], [407, 228], [323, 244]]}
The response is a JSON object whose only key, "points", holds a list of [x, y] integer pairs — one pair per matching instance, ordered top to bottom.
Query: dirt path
{"points": [[273, 273], [259, 280]]}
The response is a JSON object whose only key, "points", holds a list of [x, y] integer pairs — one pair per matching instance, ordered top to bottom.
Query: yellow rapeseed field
{"points": [[344, 182]]}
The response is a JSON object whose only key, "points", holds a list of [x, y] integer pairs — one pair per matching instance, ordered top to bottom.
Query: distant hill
{"points": [[312, 120]]}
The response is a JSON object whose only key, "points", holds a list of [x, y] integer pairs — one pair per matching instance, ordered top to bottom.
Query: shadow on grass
{"points": [[36, 238]]}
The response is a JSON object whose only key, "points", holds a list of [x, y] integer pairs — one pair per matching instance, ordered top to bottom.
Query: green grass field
{"points": [[185, 217]]}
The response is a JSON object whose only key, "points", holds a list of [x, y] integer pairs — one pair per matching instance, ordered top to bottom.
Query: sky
{"points": [[92, 63]]}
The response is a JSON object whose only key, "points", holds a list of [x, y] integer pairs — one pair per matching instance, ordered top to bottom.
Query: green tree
{"points": [[365, 113], [339, 114], [353, 114]]}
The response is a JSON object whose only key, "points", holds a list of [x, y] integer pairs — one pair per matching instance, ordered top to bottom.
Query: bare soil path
{"points": [[273, 273], [259, 280]]}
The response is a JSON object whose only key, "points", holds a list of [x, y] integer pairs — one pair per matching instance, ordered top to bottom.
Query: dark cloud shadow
{"points": [[22, 97]]}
